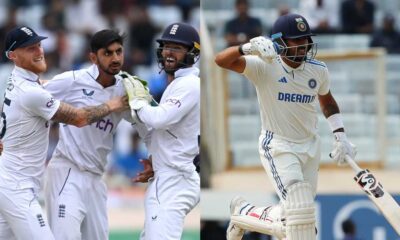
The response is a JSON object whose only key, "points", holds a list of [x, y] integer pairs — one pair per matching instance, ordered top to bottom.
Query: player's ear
{"points": [[11, 55], [93, 57]]}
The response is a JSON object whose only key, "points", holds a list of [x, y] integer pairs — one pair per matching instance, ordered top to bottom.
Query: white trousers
{"points": [[288, 162], [169, 198], [76, 203], [21, 216]]}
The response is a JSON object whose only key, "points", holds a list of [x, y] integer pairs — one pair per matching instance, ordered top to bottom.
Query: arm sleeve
{"points": [[254, 68], [325, 83], [59, 86], [179, 102], [41, 103], [144, 132]]}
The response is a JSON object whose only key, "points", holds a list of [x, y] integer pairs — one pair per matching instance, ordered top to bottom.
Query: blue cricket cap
{"points": [[21, 37]]}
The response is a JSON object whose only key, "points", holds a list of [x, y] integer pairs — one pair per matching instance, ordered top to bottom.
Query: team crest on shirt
{"points": [[312, 83], [50, 102]]}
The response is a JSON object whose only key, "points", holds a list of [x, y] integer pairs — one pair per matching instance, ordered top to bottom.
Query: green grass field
{"points": [[134, 235]]}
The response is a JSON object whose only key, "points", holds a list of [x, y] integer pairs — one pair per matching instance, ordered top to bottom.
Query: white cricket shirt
{"points": [[288, 97], [175, 123], [25, 130], [86, 147]]}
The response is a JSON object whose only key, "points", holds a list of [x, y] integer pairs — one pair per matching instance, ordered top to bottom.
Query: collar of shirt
{"points": [[289, 69], [93, 71], [187, 71], [24, 74]]}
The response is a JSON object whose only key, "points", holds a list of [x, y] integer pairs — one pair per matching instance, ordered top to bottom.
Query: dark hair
{"points": [[103, 38]]}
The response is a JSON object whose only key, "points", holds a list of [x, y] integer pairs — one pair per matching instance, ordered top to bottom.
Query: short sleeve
{"points": [[254, 69], [325, 84], [58, 86], [41, 103]]}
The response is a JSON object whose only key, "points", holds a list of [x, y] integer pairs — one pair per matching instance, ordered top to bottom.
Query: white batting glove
{"points": [[262, 47], [138, 94], [341, 148]]}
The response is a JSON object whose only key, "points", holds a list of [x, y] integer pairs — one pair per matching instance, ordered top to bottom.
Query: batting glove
{"points": [[262, 47], [341, 148]]}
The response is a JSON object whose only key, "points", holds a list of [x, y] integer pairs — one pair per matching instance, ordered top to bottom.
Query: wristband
{"points": [[335, 121]]}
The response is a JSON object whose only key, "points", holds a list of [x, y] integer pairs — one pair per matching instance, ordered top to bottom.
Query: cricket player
{"points": [[288, 86], [27, 110], [172, 139], [76, 195]]}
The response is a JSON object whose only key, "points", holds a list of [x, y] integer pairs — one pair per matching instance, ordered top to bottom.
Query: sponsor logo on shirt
{"points": [[282, 80], [87, 93], [295, 97], [174, 101], [50, 103], [105, 125]]}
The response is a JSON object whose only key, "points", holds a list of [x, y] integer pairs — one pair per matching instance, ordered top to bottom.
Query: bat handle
{"points": [[352, 163]]}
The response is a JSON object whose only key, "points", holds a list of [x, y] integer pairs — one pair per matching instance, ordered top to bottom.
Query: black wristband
{"points": [[241, 49]]}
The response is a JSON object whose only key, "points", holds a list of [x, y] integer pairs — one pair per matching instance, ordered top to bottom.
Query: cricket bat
{"points": [[381, 198]]}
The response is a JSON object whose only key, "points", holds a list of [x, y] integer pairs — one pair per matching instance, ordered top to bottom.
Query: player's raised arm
{"points": [[231, 58], [81, 117]]}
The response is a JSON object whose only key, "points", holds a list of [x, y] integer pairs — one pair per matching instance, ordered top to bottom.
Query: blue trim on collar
{"points": [[314, 62]]}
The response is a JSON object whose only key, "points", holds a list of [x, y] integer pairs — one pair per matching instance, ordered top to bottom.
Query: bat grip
{"points": [[352, 164]]}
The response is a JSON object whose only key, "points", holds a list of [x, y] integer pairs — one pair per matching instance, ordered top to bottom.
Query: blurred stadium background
{"points": [[69, 24], [366, 84]]}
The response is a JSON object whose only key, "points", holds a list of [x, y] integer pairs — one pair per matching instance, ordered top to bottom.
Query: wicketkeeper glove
{"points": [[138, 94], [341, 148]]}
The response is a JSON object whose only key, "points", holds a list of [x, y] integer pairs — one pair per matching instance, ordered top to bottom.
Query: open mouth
{"points": [[38, 59], [170, 61]]}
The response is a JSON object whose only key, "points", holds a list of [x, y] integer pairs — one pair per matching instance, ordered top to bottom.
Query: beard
{"points": [[171, 66], [35, 67], [112, 69]]}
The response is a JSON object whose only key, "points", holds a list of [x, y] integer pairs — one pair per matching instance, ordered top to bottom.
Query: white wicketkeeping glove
{"points": [[262, 47], [138, 94], [341, 148]]}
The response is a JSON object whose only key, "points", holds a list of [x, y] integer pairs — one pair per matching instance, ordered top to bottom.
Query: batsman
{"points": [[288, 81]]}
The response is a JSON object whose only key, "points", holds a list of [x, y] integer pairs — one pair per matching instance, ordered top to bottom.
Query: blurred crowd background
{"points": [[238, 21], [69, 25]]}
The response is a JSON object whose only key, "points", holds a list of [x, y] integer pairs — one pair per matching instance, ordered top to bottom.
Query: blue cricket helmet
{"points": [[291, 26], [180, 33]]}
